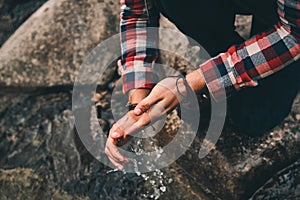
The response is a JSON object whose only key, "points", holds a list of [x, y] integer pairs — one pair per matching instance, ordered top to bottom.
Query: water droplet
{"points": [[163, 189]]}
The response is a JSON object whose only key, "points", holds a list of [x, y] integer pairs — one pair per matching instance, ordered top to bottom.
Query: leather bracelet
{"points": [[187, 86]]}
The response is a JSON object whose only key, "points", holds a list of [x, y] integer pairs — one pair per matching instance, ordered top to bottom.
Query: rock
{"points": [[13, 13], [6, 24], [52, 44], [186, 55], [9, 100], [38, 133], [40, 145], [40, 150], [239, 165], [23, 183], [283, 185]]}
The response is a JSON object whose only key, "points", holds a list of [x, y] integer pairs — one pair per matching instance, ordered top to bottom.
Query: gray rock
{"points": [[13, 13], [52, 44], [187, 55], [38, 133], [40, 145], [239, 165], [23, 183], [283, 185]]}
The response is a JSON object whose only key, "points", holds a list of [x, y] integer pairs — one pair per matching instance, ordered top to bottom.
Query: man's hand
{"points": [[169, 92], [163, 98], [127, 125], [122, 128]]}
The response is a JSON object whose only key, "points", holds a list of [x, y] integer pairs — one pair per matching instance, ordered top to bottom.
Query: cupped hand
{"points": [[163, 98], [127, 125]]}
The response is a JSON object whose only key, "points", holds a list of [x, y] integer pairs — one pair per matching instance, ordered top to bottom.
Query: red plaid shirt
{"points": [[241, 66]]}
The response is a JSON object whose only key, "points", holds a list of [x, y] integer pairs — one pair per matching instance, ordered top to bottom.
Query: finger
{"points": [[145, 104], [169, 104], [157, 110], [143, 121], [124, 124], [115, 132], [116, 135], [113, 152], [111, 157], [117, 161], [116, 164]]}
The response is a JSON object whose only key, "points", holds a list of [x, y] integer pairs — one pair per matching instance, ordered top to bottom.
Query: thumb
{"points": [[143, 106], [116, 135]]}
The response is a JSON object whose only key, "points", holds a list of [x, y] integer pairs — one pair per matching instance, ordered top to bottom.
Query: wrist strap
{"points": [[187, 86]]}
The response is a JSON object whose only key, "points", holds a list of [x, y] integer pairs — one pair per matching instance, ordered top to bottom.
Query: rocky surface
{"points": [[13, 13], [51, 45], [38, 135], [39, 148], [42, 156], [239, 165], [25, 184], [283, 185]]}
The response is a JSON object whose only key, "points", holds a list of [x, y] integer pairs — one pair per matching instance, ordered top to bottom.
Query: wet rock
{"points": [[52, 44], [9, 100]]}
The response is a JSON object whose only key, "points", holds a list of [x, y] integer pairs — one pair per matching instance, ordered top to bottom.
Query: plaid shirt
{"points": [[241, 66]]}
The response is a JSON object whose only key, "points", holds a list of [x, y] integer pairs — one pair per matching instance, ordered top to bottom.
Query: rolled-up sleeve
{"points": [[139, 43], [262, 55]]}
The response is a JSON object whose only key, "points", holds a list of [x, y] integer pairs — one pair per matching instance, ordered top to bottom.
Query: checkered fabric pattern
{"points": [[138, 43], [241, 66]]}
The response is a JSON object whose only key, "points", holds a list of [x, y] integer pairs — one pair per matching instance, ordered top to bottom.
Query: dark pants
{"points": [[211, 23]]}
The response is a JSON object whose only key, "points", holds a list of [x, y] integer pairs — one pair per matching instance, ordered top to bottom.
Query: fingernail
{"points": [[138, 111], [115, 134], [120, 167]]}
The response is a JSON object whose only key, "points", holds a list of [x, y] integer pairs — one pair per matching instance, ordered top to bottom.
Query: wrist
{"points": [[195, 81], [137, 95]]}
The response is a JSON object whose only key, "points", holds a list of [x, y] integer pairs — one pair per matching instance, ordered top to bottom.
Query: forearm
{"points": [[138, 43], [243, 65], [195, 80]]}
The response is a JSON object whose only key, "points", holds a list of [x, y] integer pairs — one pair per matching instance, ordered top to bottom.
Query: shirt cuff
{"points": [[134, 77], [221, 78]]}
